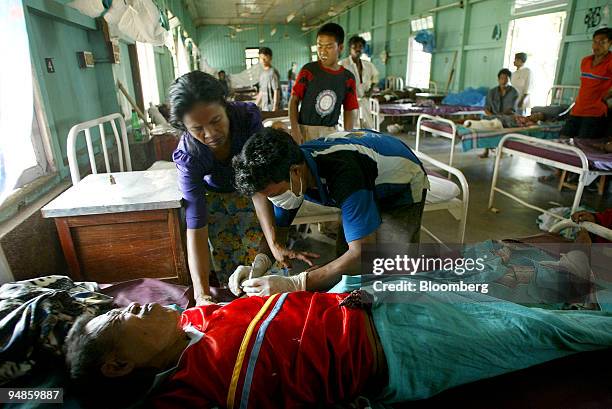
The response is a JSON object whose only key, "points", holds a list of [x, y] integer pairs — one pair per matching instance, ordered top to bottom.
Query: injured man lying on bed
{"points": [[538, 115], [307, 349]]}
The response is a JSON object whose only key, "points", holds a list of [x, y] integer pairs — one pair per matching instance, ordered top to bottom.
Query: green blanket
{"points": [[437, 340]]}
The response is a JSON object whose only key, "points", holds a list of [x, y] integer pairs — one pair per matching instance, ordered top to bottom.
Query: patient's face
{"points": [[139, 332]]}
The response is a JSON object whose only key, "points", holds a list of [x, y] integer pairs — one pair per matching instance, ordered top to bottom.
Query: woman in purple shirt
{"points": [[213, 132]]}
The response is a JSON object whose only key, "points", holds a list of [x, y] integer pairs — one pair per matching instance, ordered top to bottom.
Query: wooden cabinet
{"points": [[122, 228], [122, 246]]}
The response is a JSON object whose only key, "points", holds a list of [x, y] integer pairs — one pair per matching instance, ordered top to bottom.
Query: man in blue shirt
{"points": [[375, 179]]}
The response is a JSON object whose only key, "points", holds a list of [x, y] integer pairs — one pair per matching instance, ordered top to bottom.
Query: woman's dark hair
{"points": [[334, 30], [357, 40], [265, 51], [521, 56], [504, 71], [190, 89], [265, 158], [85, 353]]}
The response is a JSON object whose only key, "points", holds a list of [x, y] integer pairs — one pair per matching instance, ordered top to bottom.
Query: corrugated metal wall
{"points": [[223, 52]]}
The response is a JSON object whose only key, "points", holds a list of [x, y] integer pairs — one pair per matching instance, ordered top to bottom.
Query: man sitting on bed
{"points": [[502, 99], [306, 349]]}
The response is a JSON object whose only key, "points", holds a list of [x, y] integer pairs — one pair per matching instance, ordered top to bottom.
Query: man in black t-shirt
{"points": [[323, 87]]}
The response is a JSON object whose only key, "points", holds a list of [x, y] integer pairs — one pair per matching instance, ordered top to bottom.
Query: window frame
{"points": [[537, 7], [251, 61], [41, 145]]}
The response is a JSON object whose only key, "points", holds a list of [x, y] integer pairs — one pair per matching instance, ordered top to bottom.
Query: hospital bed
{"points": [[394, 83], [562, 94], [380, 111], [284, 119], [473, 139], [121, 144], [582, 160], [444, 194], [568, 382]]}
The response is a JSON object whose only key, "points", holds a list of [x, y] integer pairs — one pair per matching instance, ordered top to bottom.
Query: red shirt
{"points": [[595, 82], [314, 353]]}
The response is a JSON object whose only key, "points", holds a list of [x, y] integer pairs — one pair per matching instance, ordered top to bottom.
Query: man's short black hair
{"points": [[334, 30], [606, 31], [356, 40], [265, 51], [521, 56], [504, 71], [221, 72], [190, 89], [265, 158], [85, 353]]}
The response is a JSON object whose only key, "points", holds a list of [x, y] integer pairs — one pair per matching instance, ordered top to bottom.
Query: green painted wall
{"points": [[178, 9], [466, 31], [577, 41], [227, 54], [164, 70], [70, 94]]}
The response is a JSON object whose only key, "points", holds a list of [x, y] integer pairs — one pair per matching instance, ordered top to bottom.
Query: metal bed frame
{"points": [[586, 175], [457, 207]]}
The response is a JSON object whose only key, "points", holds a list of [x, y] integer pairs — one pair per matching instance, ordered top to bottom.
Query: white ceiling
{"points": [[251, 12]]}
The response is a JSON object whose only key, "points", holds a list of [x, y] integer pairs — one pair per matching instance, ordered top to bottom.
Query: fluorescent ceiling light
{"points": [[290, 17]]}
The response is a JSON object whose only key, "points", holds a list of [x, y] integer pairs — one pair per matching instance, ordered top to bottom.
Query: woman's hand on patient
{"points": [[283, 255]]}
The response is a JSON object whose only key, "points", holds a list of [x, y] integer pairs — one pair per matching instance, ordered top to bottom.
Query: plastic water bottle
{"points": [[136, 127]]}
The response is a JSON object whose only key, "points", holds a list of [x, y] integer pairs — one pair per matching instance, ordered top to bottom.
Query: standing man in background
{"points": [[291, 75], [366, 76], [223, 80], [522, 80], [321, 89], [268, 98], [588, 118]]}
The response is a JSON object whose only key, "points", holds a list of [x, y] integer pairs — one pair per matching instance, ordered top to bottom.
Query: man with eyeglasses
{"points": [[588, 118]]}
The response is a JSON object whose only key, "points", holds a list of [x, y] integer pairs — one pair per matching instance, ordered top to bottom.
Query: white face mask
{"points": [[288, 200]]}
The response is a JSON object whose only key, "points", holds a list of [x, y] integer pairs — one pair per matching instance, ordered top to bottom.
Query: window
{"points": [[529, 6], [423, 23], [368, 37], [313, 53], [541, 55], [251, 57], [419, 65], [148, 75], [22, 154]]}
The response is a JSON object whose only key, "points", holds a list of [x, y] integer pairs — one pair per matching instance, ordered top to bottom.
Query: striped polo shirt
{"points": [[595, 82], [362, 173]]}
